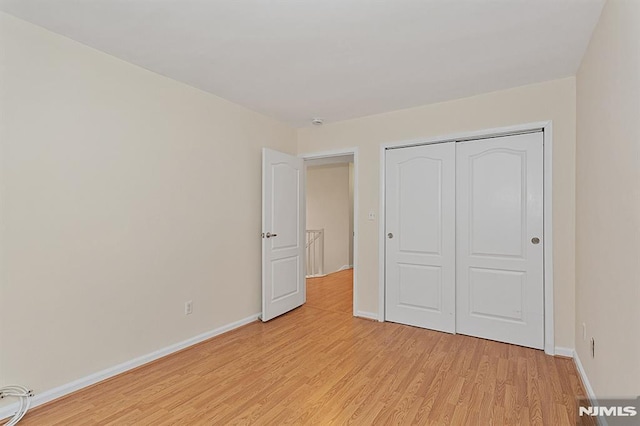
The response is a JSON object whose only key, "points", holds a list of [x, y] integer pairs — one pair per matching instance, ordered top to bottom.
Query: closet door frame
{"points": [[547, 128]]}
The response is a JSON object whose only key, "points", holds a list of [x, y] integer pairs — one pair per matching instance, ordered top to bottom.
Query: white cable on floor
{"points": [[25, 401]]}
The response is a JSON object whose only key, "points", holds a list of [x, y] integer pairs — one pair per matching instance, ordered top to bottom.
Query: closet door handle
{"points": [[390, 235], [535, 240]]}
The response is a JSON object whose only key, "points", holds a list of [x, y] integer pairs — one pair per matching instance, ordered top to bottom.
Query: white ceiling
{"points": [[336, 59]]}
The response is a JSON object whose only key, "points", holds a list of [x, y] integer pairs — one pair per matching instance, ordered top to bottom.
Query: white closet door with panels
{"points": [[499, 211], [420, 236]]}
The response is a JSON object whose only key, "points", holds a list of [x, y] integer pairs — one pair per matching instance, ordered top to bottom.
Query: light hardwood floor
{"points": [[320, 365]]}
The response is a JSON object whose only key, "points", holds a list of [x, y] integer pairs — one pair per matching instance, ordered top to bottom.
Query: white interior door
{"points": [[420, 236], [499, 239], [283, 285]]}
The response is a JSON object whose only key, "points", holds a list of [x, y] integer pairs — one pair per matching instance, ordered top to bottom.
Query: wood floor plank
{"points": [[320, 365]]}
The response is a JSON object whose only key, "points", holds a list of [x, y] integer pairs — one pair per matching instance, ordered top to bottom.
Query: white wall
{"points": [[554, 100], [123, 194], [608, 202], [328, 209], [351, 212]]}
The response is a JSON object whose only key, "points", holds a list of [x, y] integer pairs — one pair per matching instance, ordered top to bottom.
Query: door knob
{"points": [[269, 235], [390, 235], [535, 240]]}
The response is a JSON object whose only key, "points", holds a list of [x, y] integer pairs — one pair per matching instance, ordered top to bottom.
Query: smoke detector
{"points": [[316, 121]]}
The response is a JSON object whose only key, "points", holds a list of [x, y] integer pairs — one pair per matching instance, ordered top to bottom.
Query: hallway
{"points": [[333, 292]]}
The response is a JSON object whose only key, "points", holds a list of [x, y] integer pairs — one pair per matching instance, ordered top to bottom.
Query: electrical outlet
{"points": [[372, 216], [188, 307], [584, 331], [593, 347]]}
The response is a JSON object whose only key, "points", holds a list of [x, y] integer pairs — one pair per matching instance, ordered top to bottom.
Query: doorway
{"points": [[331, 224], [283, 229], [329, 233]]}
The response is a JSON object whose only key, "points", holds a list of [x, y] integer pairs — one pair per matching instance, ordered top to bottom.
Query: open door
{"points": [[283, 285]]}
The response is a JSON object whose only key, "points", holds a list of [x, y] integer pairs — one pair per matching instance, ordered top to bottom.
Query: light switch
{"points": [[372, 215]]}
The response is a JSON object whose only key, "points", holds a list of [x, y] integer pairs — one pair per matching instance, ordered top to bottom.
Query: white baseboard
{"points": [[342, 268], [368, 315], [566, 352], [571, 353], [585, 380], [51, 394], [602, 421]]}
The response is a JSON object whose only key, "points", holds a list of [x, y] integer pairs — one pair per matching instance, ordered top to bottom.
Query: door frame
{"points": [[547, 130], [340, 153]]}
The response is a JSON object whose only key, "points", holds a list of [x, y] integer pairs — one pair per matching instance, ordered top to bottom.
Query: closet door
{"points": [[420, 236], [499, 239]]}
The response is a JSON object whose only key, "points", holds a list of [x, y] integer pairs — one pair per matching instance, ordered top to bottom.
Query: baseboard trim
{"points": [[345, 267], [316, 276], [367, 315], [565, 352], [571, 353], [585, 380], [66, 389], [602, 421]]}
